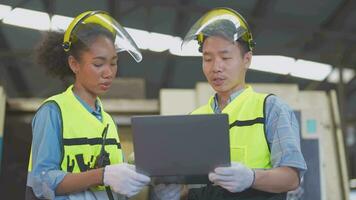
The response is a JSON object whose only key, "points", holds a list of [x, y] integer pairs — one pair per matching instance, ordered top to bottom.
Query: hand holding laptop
{"points": [[180, 148], [235, 178], [123, 179]]}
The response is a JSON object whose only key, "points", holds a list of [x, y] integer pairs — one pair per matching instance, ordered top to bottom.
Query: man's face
{"points": [[223, 65]]}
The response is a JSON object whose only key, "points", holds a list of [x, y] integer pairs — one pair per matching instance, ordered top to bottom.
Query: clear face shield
{"points": [[222, 22], [96, 23]]}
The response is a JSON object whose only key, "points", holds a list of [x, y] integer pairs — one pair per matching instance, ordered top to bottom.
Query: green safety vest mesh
{"points": [[248, 143]]}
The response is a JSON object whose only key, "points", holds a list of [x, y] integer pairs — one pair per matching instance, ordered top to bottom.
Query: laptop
{"points": [[180, 148]]}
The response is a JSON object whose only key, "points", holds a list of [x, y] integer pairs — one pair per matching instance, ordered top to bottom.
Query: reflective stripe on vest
{"points": [[247, 132], [82, 134]]}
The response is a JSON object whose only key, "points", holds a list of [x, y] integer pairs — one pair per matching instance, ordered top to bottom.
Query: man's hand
{"points": [[235, 178], [123, 179]]}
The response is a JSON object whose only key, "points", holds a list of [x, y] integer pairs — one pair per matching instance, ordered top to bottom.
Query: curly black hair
{"points": [[243, 45], [51, 55]]}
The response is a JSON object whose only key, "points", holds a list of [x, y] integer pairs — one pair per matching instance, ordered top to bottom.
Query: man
{"points": [[264, 136]]}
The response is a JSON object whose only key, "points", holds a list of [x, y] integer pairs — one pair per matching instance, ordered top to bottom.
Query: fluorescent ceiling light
{"points": [[4, 10], [28, 19], [60, 23], [139, 36], [159, 42], [175, 48], [189, 49], [273, 64], [287, 65], [310, 70], [348, 74]]}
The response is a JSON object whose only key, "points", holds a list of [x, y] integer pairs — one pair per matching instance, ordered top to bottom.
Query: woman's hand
{"points": [[123, 179]]}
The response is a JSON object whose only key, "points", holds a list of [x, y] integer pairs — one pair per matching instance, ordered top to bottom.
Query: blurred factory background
{"points": [[305, 53]]}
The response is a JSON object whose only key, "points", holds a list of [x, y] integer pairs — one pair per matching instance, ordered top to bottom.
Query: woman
{"points": [[67, 159]]}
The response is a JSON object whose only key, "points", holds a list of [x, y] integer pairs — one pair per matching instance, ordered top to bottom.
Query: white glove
{"points": [[235, 178], [123, 179], [166, 192]]}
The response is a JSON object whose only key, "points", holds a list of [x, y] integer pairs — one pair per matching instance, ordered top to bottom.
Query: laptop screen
{"points": [[180, 148]]}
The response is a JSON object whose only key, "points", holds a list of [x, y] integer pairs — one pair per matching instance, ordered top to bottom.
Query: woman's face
{"points": [[96, 68]]}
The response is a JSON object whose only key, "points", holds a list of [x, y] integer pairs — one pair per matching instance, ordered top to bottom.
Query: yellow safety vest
{"points": [[82, 134], [248, 143]]}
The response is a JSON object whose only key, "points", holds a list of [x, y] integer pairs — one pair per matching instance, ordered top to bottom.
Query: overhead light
{"points": [[4, 11], [28, 19], [60, 22], [139, 36], [159, 42], [175, 49], [189, 49], [273, 64], [287, 65], [310, 70], [347, 75]]}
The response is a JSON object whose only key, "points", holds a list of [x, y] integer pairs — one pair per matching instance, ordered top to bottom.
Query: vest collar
{"points": [[71, 94], [235, 100]]}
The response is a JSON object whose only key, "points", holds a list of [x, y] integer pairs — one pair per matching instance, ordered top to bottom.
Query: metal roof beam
{"points": [[49, 6], [261, 7], [114, 8], [131, 9], [337, 18]]}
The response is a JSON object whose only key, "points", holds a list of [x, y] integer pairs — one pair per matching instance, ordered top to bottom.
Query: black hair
{"points": [[87, 34], [243, 45], [51, 55]]}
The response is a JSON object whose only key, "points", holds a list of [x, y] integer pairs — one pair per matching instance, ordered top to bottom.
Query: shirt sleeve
{"points": [[283, 135], [46, 152]]}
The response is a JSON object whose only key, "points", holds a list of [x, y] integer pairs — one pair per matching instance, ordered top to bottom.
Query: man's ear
{"points": [[247, 59], [73, 64]]}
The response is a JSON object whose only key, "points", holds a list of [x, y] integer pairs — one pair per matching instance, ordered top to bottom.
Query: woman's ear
{"points": [[73, 64]]}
